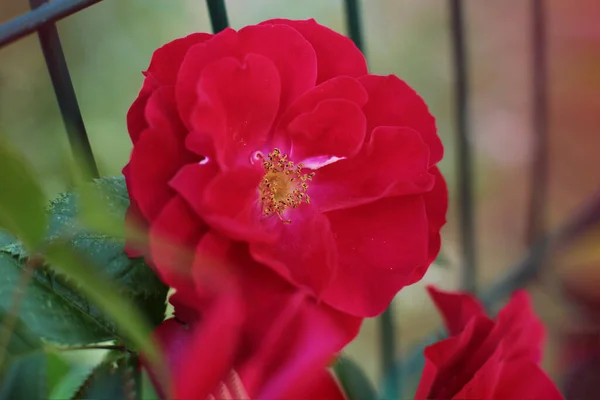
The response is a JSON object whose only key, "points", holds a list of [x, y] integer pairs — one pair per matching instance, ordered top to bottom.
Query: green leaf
{"points": [[21, 199], [102, 205], [5, 239], [133, 277], [103, 293], [54, 307], [50, 308], [20, 340], [23, 365], [57, 368], [25, 378], [113, 380], [354, 381], [71, 382], [148, 391]]}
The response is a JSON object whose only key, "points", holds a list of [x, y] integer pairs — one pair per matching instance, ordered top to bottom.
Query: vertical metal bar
{"points": [[218, 15], [353, 23], [65, 95], [465, 169], [539, 170], [390, 367]]}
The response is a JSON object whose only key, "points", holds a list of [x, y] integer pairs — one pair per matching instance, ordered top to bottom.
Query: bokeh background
{"points": [[109, 44]]}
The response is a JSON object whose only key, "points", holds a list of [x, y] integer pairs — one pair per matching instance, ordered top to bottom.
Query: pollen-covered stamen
{"points": [[283, 186]]}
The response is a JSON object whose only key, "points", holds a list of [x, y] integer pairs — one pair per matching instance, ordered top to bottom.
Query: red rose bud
{"points": [[484, 358]]}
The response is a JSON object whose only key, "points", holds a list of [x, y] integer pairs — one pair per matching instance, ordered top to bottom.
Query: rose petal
{"points": [[287, 49], [336, 54], [166, 60], [162, 71], [340, 88], [393, 103], [237, 104], [161, 112], [136, 122], [334, 128], [201, 143], [157, 155], [154, 161], [393, 163], [191, 181], [228, 202], [436, 203], [136, 226], [173, 238], [383, 244], [305, 252], [457, 308], [521, 328], [517, 331], [319, 332], [294, 337], [212, 339], [442, 376], [524, 380], [479, 384], [319, 385]]}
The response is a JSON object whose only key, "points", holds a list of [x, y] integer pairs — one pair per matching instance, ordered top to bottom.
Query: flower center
{"points": [[283, 186]]}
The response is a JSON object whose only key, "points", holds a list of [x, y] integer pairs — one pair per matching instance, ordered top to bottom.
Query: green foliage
{"points": [[21, 199], [132, 276], [83, 290], [101, 291], [54, 307], [51, 308], [18, 340], [22, 361], [57, 368], [25, 378], [114, 380], [354, 381], [71, 382], [148, 391]]}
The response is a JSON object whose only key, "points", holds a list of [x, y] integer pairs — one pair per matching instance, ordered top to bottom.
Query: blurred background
{"points": [[109, 44]]}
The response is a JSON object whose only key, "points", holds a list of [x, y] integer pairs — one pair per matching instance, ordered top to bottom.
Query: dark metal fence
{"points": [[42, 19]]}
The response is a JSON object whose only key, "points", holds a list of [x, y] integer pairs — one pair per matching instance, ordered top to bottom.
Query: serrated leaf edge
{"points": [[73, 306]]}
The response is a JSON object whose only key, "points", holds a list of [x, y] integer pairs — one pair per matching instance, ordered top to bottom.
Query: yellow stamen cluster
{"points": [[283, 186]]}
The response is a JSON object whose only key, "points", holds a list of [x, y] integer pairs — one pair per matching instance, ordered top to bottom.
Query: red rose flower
{"points": [[277, 136], [258, 337], [483, 358]]}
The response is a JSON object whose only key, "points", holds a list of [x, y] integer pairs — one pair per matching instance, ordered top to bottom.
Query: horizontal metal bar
{"points": [[29, 22]]}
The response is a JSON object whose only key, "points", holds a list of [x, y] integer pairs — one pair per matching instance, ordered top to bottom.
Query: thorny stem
{"points": [[10, 319]]}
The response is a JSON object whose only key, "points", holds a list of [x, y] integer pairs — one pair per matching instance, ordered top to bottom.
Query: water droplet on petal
{"points": [[204, 161]]}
